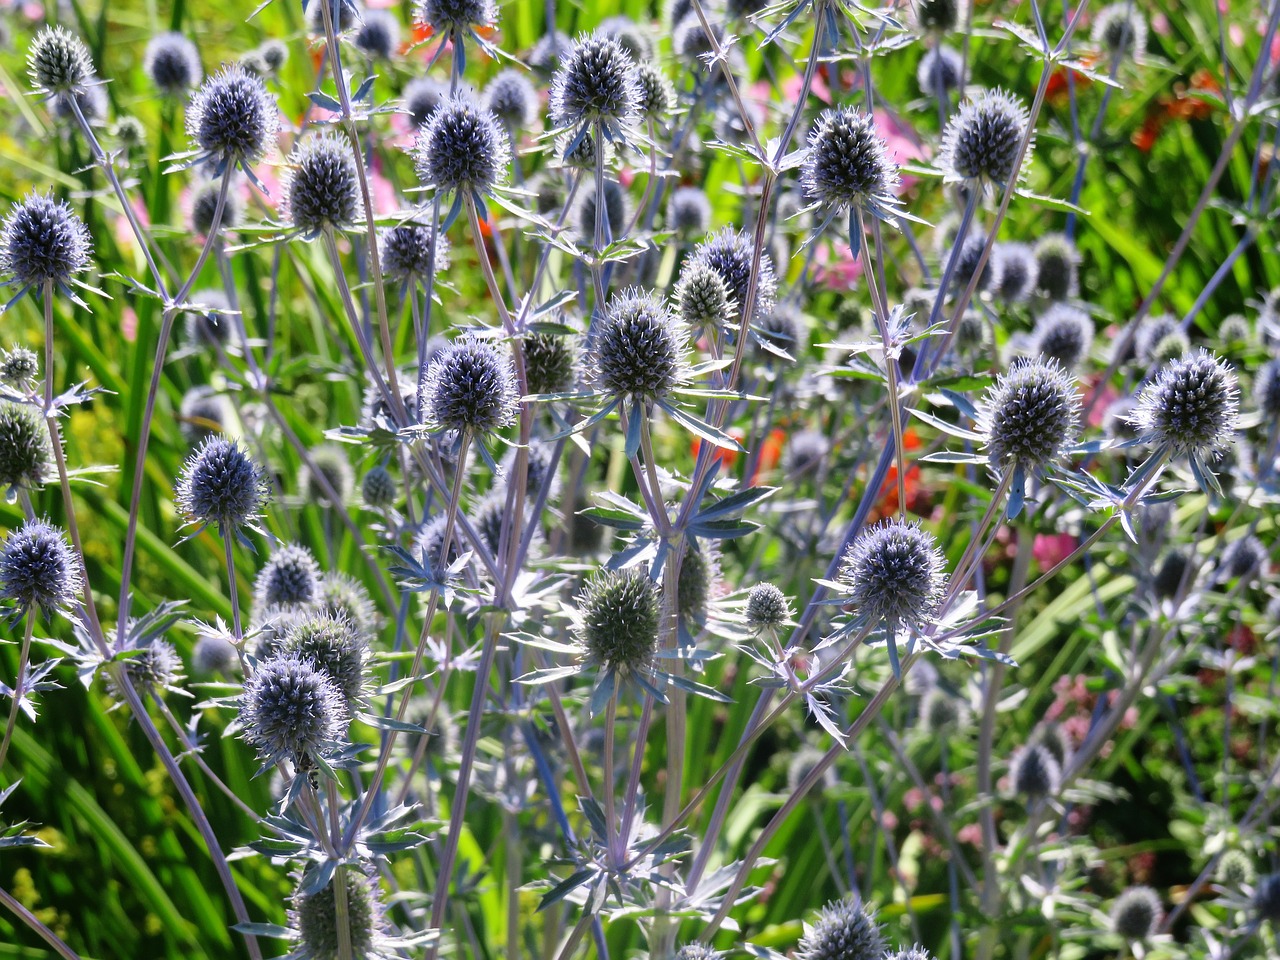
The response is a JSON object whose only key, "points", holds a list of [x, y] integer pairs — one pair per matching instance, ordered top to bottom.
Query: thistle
{"points": [[980, 145], [39, 569], [893, 572], [1136, 914]]}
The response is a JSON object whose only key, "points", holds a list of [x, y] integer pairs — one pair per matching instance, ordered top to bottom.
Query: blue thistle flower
{"points": [[344, 14], [456, 16], [939, 16], [1120, 29], [379, 34], [629, 35], [549, 51], [274, 54], [59, 62], [172, 62], [939, 71], [596, 84], [511, 97], [421, 98], [657, 98], [232, 117], [980, 144], [462, 148], [847, 164], [322, 189], [205, 203], [688, 211], [615, 213], [43, 241], [728, 252], [407, 255], [967, 259], [1057, 267], [1015, 271], [702, 297], [1063, 333], [1151, 333], [638, 347], [550, 362], [19, 368], [471, 387], [1191, 407], [201, 414], [1028, 417], [26, 451], [330, 461], [221, 485], [378, 488], [1243, 559], [38, 568], [894, 573], [1170, 574], [290, 578], [343, 597], [768, 608], [620, 614], [335, 646], [214, 655], [155, 667], [291, 710], [1035, 772], [1235, 869], [1266, 898], [1136, 914], [315, 916], [843, 930]]}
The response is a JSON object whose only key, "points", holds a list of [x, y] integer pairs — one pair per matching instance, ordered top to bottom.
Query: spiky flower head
{"points": [[344, 14], [455, 16], [939, 16], [1120, 29], [379, 34], [629, 34], [691, 41], [274, 53], [59, 62], [172, 62], [939, 71], [595, 84], [656, 96], [511, 97], [421, 98], [233, 117], [129, 132], [981, 142], [462, 147], [847, 164], [322, 188], [204, 204], [688, 211], [614, 221], [43, 241], [729, 253], [407, 255], [968, 259], [1058, 267], [1015, 269], [702, 297], [211, 324], [1234, 329], [1152, 332], [1063, 333], [638, 347], [550, 362], [19, 367], [471, 386], [1266, 390], [1192, 405], [202, 413], [1028, 417], [26, 453], [329, 460], [220, 485], [378, 487], [1243, 559], [38, 568], [699, 570], [893, 572], [1170, 574], [290, 578], [343, 597], [767, 607], [620, 614], [334, 645], [214, 655], [155, 667], [291, 710], [941, 713], [1054, 738], [1035, 772], [1235, 869], [1266, 898], [1136, 914], [316, 917], [844, 930], [697, 951], [915, 952]]}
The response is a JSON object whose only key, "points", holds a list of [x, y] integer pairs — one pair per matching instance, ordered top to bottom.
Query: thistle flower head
{"points": [[344, 15], [454, 16], [939, 16], [1120, 29], [379, 34], [629, 35], [690, 40], [550, 49], [274, 54], [59, 62], [172, 63], [939, 71], [595, 84], [656, 96], [511, 97], [421, 98], [233, 117], [129, 132], [981, 142], [462, 147], [847, 164], [322, 188], [204, 205], [688, 211], [615, 217], [43, 241], [406, 252], [729, 253], [968, 257], [1057, 267], [1015, 270], [702, 297], [211, 325], [782, 328], [1234, 329], [1152, 332], [1063, 333], [639, 347], [550, 362], [19, 367], [471, 386], [1266, 389], [1192, 405], [202, 414], [1028, 417], [26, 452], [329, 460], [220, 485], [378, 487], [1243, 559], [38, 568], [699, 570], [894, 572], [1170, 574], [290, 578], [343, 597], [767, 607], [620, 614], [333, 645], [214, 655], [156, 667], [291, 710], [941, 713], [1054, 738], [1035, 773], [1235, 869], [1136, 914], [315, 916], [843, 930], [697, 951]]}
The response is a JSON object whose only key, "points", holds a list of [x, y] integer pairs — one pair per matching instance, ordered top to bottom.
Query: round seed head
{"points": [[343, 13], [455, 16], [939, 16], [1120, 30], [379, 35], [629, 35], [550, 49], [275, 54], [59, 62], [172, 62], [940, 69], [596, 83], [656, 96], [421, 97], [511, 97], [232, 116], [129, 132], [980, 144], [462, 147], [847, 163], [322, 188], [205, 203], [688, 211], [615, 213], [43, 241], [406, 252], [729, 252], [967, 259], [1058, 265], [1015, 269], [702, 297], [1235, 329], [1063, 333], [1150, 333], [639, 347], [550, 362], [19, 368], [471, 386], [1266, 390], [1191, 406], [202, 414], [1028, 418], [26, 453], [330, 461], [220, 485], [378, 488], [1243, 559], [38, 568], [699, 571], [894, 572], [1169, 575], [291, 578], [343, 597], [767, 607], [620, 613], [333, 645], [213, 655], [291, 710], [941, 713], [1054, 738], [802, 764], [1035, 772], [1235, 869], [1266, 898], [1136, 913], [316, 916], [843, 930]]}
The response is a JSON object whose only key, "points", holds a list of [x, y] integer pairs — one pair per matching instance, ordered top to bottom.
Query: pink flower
{"points": [[901, 141], [383, 194], [835, 267], [129, 324], [1050, 549], [970, 833]]}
